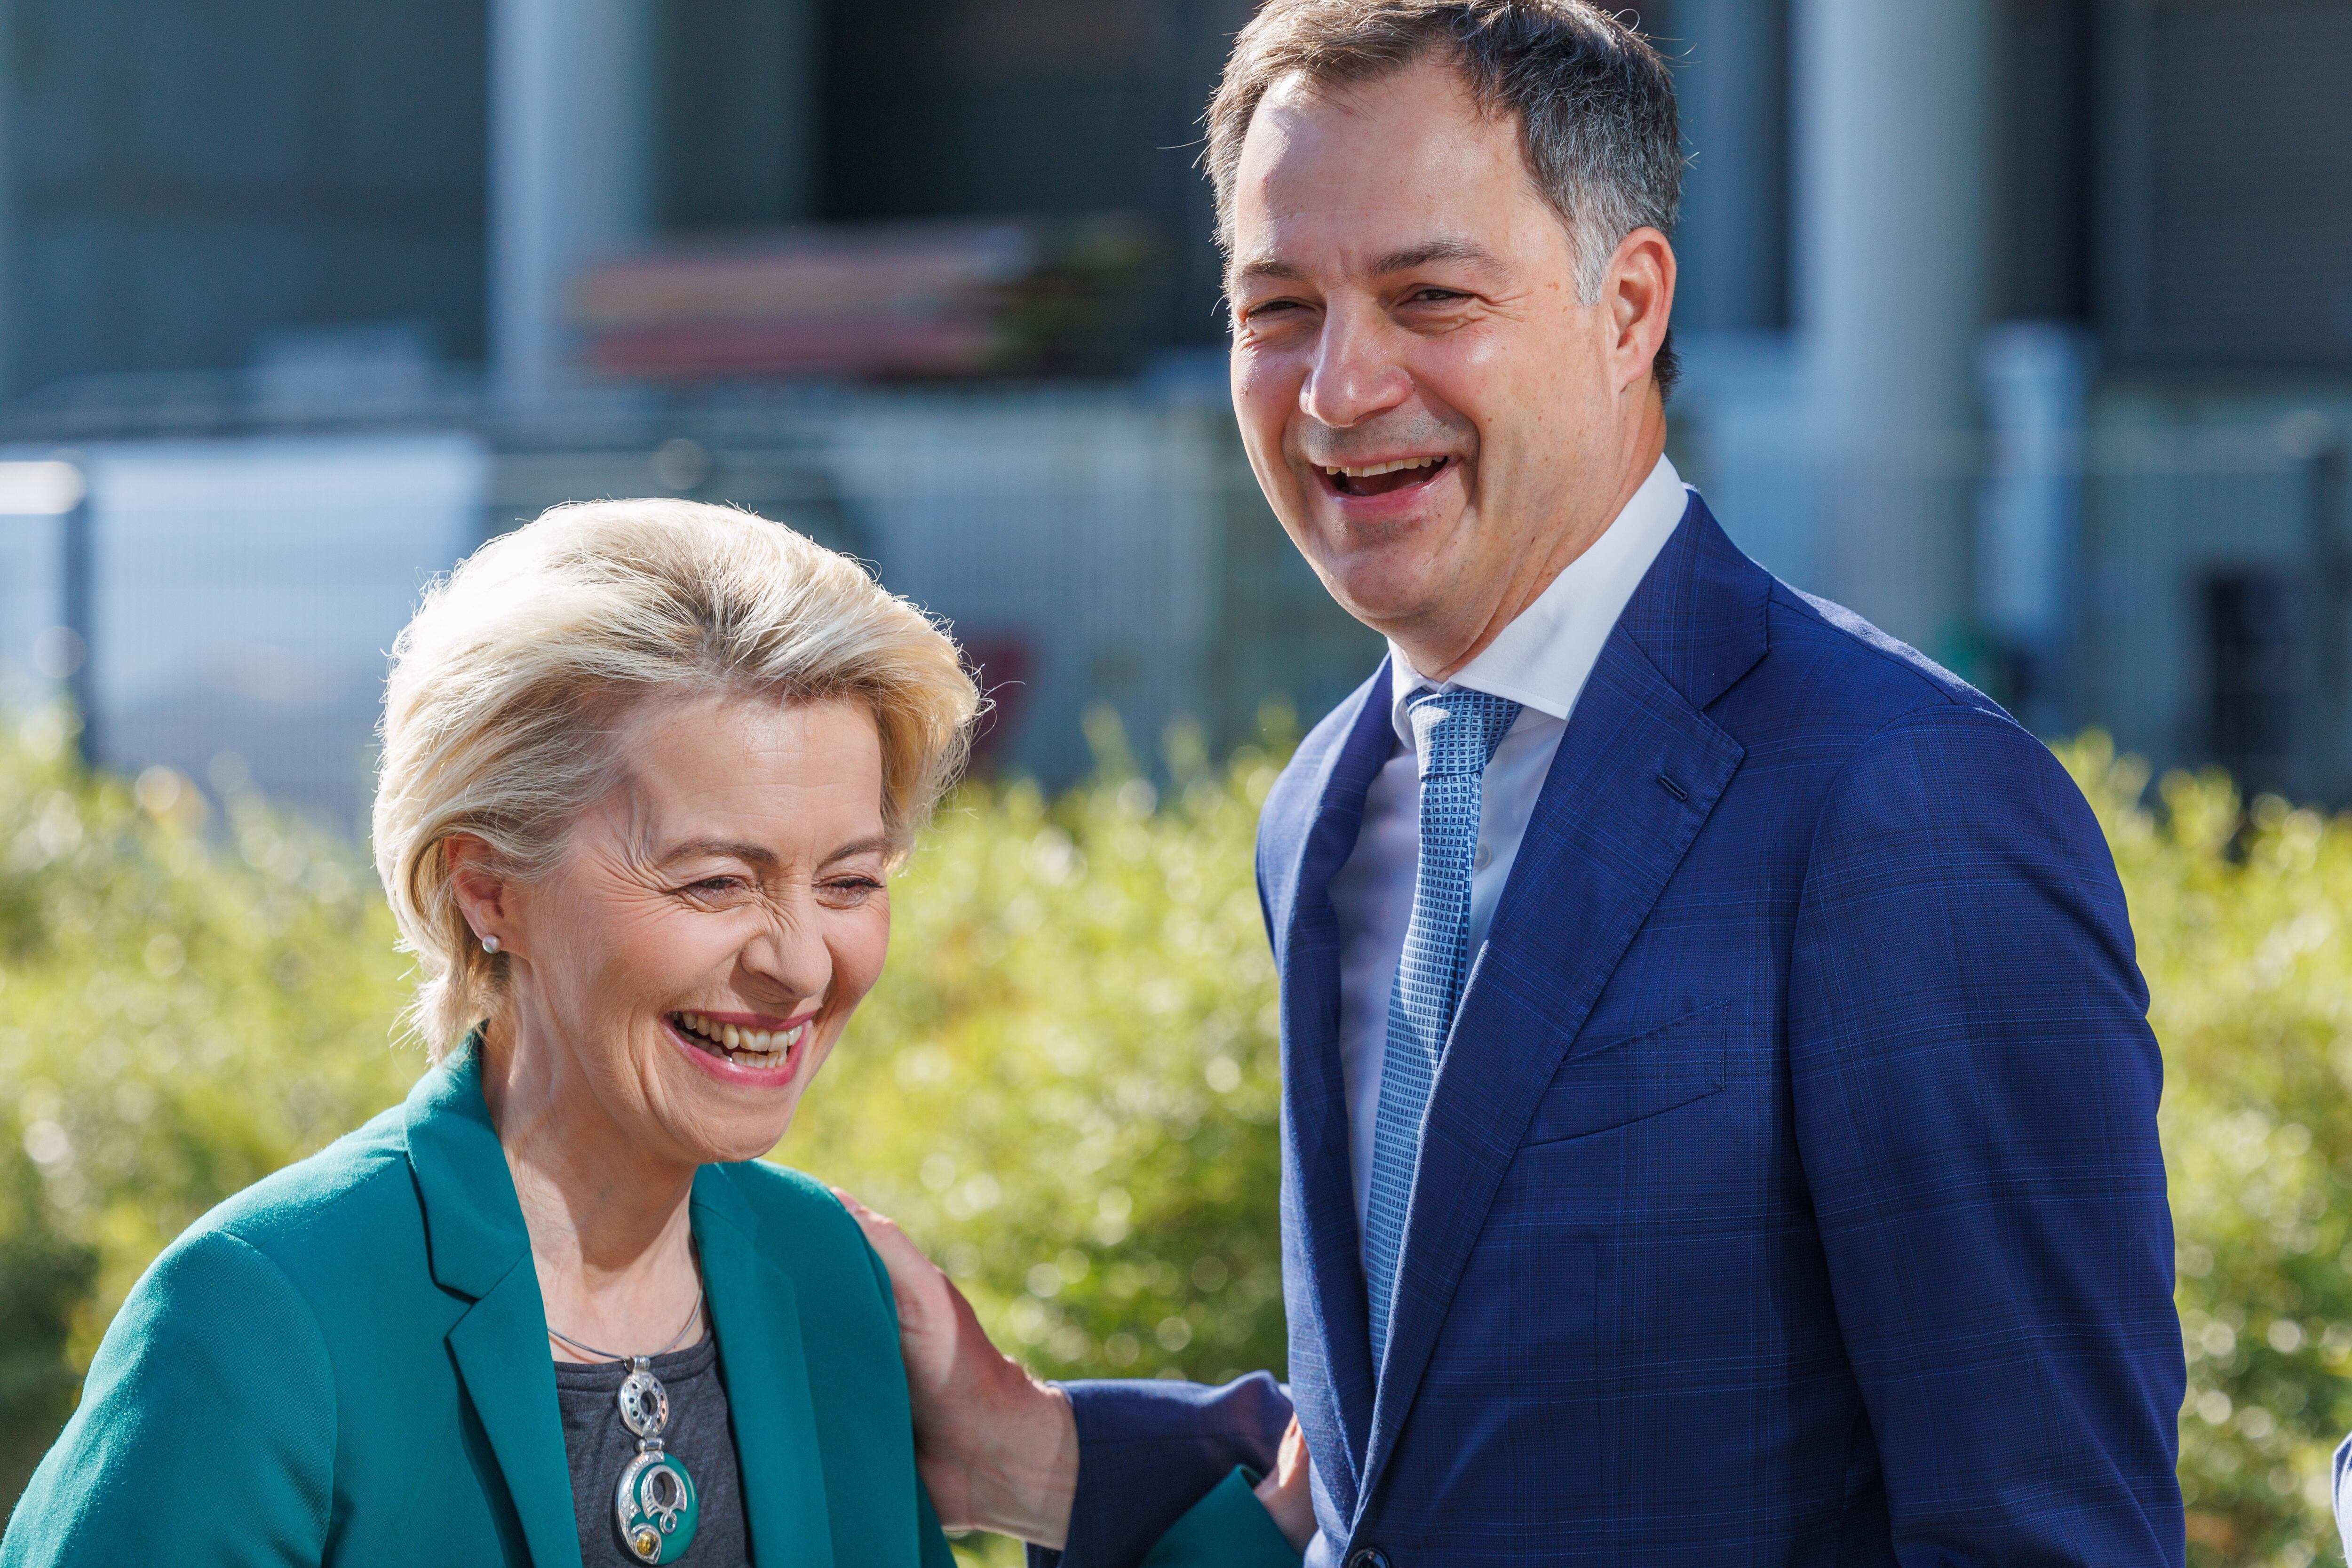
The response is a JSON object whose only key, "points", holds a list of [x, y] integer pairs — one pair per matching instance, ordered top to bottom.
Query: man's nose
{"points": [[1357, 374]]}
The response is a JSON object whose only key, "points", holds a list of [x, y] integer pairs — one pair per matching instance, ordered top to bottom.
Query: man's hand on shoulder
{"points": [[997, 1449]]}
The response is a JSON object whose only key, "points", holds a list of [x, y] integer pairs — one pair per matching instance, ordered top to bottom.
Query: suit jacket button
{"points": [[1368, 1557]]}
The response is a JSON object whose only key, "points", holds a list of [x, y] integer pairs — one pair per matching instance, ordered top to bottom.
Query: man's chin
{"points": [[1392, 596]]}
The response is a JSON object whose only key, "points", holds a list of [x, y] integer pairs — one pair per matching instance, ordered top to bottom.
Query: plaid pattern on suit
{"points": [[1790, 1193]]}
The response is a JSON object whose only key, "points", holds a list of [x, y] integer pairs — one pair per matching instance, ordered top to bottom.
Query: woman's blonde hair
{"points": [[506, 689]]}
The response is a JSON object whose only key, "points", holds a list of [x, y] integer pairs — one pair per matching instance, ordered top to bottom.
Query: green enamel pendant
{"points": [[656, 1504]]}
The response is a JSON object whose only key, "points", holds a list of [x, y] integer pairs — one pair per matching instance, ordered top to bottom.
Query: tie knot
{"points": [[1458, 732]]}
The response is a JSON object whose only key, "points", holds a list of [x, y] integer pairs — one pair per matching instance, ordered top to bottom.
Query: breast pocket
{"points": [[1634, 1077]]}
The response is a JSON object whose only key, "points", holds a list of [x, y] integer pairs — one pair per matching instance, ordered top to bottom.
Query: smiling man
{"points": [[1718, 1104]]}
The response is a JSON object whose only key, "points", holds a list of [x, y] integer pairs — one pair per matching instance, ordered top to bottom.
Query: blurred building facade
{"points": [[2024, 326]]}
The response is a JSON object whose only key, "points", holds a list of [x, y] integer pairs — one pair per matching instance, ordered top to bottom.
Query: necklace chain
{"points": [[693, 1314]]}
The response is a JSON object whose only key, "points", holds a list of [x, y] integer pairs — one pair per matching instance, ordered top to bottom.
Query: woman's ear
{"points": [[483, 895]]}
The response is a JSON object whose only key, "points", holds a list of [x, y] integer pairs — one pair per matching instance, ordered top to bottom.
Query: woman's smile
{"points": [[749, 1048]]}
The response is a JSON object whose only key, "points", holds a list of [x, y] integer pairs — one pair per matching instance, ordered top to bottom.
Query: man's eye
{"points": [[1437, 296], [1271, 307], [715, 887]]}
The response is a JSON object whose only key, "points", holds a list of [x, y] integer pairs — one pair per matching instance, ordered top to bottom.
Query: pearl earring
{"points": [[490, 944]]}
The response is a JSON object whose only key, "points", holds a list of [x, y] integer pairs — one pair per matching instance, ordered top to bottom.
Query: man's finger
{"points": [[906, 1261]]}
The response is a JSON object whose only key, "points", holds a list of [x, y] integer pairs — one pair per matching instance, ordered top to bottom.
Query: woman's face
{"points": [[713, 923]]}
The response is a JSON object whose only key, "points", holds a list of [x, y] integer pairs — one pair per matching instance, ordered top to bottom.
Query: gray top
{"points": [[698, 1434]]}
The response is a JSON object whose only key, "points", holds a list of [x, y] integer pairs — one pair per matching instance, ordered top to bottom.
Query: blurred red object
{"points": [[885, 300], [873, 301]]}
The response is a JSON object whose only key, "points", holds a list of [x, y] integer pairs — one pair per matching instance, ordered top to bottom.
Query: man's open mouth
{"points": [[1383, 479], [733, 1043]]}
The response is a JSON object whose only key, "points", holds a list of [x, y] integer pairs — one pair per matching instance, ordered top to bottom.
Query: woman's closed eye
{"points": [[851, 890]]}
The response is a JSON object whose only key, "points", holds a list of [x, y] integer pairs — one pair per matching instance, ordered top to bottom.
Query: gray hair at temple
{"points": [[1594, 102]]}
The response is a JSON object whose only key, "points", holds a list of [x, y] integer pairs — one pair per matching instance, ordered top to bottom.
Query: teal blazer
{"points": [[348, 1363]]}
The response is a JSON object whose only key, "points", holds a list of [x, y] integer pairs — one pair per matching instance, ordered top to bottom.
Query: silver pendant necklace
{"points": [[656, 1504]]}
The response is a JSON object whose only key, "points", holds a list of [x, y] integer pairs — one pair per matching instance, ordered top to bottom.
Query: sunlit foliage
{"points": [[2244, 919], [180, 1013], [1067, 1083]]}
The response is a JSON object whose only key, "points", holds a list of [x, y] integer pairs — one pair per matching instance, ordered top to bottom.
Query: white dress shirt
{"points": [[1541, 661]]}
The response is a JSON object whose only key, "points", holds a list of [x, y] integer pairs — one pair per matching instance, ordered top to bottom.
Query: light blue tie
{"points": [[1455, 734]]}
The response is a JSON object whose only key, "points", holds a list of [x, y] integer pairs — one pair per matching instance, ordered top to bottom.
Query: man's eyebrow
{"points": [[1434, 250], [1269, 267], [1274, 269]]}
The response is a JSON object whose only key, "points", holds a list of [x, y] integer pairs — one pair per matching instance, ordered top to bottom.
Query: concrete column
{"points": [[1732, 76], [572, 92], [1894, 118], [2036, 377]]}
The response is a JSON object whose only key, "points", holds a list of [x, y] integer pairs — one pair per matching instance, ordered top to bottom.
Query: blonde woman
{"points": [[646, 768]]}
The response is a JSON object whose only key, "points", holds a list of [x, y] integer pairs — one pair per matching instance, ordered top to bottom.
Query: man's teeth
{"points": [[1374, 469], [755, 1047]]}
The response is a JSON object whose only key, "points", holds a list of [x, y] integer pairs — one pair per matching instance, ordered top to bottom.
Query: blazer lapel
{"points": [[1638, 771], [479, 1250], [1323, 1273], [755, 1312], [500, 1348]]}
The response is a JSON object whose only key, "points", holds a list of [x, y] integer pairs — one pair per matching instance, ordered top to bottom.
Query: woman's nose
{"points": [[789, 957]]}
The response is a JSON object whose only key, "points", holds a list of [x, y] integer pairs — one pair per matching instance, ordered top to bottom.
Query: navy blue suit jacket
{"points": [[1789, 1191]]}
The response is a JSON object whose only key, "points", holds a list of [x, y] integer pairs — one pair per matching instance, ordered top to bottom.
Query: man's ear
{"points": [[1639, 293], [483, 895]]}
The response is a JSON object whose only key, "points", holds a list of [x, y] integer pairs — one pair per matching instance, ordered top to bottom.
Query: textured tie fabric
{"points": [[1455, 734]]}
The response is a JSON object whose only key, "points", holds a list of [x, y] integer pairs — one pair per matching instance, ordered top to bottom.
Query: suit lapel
{"points": [[1639, 769], [479, 1250], [1323, 1274], [755, 1312]]}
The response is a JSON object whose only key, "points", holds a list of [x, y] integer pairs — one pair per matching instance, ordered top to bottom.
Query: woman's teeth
{"points": [[751, 1048]]}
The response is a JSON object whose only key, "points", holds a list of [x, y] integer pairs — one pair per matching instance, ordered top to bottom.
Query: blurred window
{"points": [[2230, 146], [2251, 654]]}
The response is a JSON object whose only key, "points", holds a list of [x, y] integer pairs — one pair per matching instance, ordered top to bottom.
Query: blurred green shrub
{"points": [[2244, 921], [180, 1015], [1067, 1083]]}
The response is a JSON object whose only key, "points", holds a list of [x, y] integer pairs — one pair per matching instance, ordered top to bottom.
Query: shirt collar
{"points": [[1542, 658]]}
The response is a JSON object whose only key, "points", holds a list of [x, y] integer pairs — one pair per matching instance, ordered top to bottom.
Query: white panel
{"points": [[1088, 532], [248, 592], [32, 601]]}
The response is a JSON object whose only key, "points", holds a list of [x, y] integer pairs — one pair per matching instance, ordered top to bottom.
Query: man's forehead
{"points": [[1375, 131], [1401, 170]]}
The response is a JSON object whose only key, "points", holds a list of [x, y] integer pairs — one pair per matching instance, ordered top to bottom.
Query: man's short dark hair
{"points": [[1594, 102]]}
